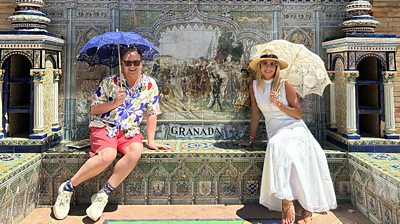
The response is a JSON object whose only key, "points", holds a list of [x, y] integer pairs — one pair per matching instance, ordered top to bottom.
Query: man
{"points": [[216, 91], [114, 127]]}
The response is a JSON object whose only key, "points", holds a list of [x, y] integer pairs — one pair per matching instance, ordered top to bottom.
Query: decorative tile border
{"points": [[363, 144], [26, 145], [12, 164], [385, 165], [19, 185], [375, 189]]}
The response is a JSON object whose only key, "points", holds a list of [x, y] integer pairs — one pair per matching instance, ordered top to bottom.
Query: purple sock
{"points": [[68, 186], [108, 189]]}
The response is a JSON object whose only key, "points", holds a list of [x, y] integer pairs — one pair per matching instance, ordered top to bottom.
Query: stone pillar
{"points": [[115, 18], [275, 25], [69, 73], [332, 101], [1, 102], [38, 110], [54, 112], [351, 118], [390, 129]]}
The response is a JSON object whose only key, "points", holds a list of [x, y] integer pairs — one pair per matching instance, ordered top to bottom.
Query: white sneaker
{"points": [[99, 201], [61, 207]]}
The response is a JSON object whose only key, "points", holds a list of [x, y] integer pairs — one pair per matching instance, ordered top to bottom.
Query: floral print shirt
{"points": [[127, 116]]}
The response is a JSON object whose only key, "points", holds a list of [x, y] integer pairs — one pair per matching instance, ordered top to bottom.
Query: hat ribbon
{"points": [[269, 56]]}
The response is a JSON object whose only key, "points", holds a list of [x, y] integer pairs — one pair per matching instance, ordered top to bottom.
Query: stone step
{"points": [[248, 213]]}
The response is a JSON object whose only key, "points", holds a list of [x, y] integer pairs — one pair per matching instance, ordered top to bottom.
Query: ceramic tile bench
{"points": [[192, 172], [375, 179], [19, 185]]}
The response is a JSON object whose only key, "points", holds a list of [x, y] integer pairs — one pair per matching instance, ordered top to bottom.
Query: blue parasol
{"points": [[103, 49]]}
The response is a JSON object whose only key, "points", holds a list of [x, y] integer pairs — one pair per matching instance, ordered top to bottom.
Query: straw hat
{"points": [[267, 54]]}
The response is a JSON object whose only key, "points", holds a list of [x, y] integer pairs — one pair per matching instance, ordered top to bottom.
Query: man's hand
{"points": [[120, 98], [155, 146]]}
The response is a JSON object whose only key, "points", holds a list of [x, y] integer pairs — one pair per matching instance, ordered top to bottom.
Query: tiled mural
{"points": [[204, 50], [203, 78]]}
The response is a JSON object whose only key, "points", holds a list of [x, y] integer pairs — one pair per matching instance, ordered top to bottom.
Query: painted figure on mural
{"points": [[155, 68], [232, 71], [202, 77], [165, 84], [184, 86], [227, 88], [216, 92], [243, 97], [117, 112], [295, 166]]}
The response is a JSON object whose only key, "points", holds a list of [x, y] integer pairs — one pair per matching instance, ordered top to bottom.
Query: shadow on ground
{"points": [[256, 213]]}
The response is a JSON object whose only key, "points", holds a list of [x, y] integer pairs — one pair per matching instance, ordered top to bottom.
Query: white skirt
{"points": [[295, 168]]}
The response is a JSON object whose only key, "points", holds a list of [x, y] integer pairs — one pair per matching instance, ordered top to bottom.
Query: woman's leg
{"points": [[288, 212], [306, 217]]}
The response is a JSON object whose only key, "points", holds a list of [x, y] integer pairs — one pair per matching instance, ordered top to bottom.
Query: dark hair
{"points": [[131, 49]]}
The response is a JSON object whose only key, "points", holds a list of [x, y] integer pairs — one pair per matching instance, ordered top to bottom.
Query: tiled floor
{"points": [[345, 213]]}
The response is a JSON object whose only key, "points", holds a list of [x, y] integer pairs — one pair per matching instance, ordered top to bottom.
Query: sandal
{"points": [[288, 212], [306, 217]]}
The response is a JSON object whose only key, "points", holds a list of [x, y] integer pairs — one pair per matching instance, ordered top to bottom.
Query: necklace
{"points": [[137, 82]]}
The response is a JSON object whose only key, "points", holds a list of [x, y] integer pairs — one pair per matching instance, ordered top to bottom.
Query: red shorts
{"points": [[100, 140]]}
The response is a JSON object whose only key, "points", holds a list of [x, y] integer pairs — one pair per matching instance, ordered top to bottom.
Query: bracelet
{"points": [[280, 106], [251, 140]]}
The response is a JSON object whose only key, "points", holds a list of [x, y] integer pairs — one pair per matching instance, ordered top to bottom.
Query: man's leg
{"points": [[219, 104], [210, 105], [126, 164], [94, 165], [90, 168], [121, 170]]}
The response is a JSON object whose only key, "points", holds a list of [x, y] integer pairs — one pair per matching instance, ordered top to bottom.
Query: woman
{"points": [[295, 166]]}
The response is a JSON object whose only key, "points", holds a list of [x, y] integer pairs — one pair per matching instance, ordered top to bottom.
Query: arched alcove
{"points": [[369, 90], [17, 97]]}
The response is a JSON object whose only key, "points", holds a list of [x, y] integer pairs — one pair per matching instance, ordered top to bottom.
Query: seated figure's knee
{"points": [[134, 152], [108, 155]]}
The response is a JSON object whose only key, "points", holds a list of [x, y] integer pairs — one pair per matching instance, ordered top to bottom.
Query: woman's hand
{"points": [[274, 98], [245, 143], [155, 146]]}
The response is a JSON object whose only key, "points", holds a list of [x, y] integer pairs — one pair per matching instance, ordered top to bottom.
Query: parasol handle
{"points": [[119, 65], [287, 72]]}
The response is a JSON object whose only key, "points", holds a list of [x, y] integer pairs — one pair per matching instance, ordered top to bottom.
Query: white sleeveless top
{"points": [[275, 119]]}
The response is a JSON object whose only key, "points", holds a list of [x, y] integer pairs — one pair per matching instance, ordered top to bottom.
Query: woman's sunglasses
{"points": [[129, 63]]}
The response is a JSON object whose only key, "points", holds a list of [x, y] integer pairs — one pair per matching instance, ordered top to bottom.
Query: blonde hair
{"points": [[275, 80]]}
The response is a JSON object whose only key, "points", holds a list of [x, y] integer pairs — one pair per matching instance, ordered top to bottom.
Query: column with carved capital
{"points": [[332, 101], [1, 102], [38, 110], [54, 111], [351, 119], [390, 128]]}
